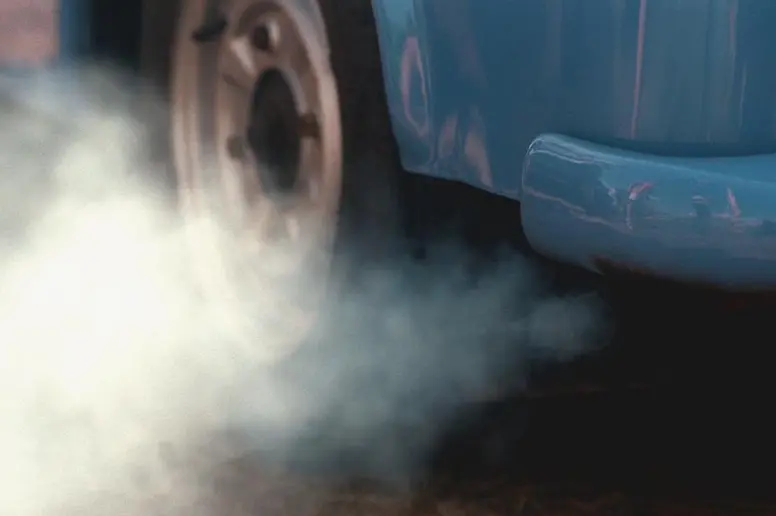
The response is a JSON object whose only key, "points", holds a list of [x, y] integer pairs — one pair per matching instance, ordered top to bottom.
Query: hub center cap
{"points": [[273, 135]]}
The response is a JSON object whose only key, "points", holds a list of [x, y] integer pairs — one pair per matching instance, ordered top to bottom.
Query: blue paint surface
{"points": [[74, 27], [471, 83], [667, 109], [711, 220]]}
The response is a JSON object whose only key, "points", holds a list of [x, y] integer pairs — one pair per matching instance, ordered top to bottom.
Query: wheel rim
{"points": [[273, 82], [256, 118]]}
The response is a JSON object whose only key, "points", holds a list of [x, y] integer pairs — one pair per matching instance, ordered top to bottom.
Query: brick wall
{"points": [[29, 31]]}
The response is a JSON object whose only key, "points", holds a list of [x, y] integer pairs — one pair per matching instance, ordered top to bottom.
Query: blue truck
{"points": [[632, 134]]}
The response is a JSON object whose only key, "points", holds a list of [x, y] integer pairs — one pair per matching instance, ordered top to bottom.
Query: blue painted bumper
{"points": [[711, 220]]}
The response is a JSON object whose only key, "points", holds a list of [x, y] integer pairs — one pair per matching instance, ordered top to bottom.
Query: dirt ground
{"points": [[694, 438]]}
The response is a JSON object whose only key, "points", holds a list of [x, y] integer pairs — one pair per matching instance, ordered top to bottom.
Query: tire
{"points": [[362, 213]]}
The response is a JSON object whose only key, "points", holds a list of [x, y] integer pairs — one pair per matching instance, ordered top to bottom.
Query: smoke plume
{"points": [[120, 364]]}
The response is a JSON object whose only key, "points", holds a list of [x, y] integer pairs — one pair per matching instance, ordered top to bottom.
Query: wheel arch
{"points": [[404, 49]]}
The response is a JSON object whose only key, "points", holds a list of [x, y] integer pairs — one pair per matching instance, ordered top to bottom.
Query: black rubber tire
{"points": [[157, 35], [153, 61], [372, 179], [371, 219]]}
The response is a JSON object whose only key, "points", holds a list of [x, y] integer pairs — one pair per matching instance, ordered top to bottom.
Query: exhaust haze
{"points": [[119, 359]]}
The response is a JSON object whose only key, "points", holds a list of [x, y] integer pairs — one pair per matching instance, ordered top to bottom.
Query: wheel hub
{"points": [[277, 116], [273, 135]]}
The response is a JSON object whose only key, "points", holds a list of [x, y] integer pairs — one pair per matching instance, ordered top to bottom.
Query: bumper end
{"points": [[705, 220]]}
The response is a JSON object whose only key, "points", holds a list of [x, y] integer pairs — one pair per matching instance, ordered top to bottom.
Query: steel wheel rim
{"points": [[294, 46]]}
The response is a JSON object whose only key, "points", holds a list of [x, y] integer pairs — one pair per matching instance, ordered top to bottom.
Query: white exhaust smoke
{"points": [[114, 363]]}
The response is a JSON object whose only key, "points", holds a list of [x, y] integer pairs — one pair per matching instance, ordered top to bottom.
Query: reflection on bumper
{"points": [[711, 220]]}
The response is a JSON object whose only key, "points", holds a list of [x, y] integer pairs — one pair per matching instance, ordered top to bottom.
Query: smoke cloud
{"points": [[122, 368]]}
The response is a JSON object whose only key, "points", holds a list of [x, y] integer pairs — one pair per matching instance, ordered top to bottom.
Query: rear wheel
{"points": [[278, 120]]}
